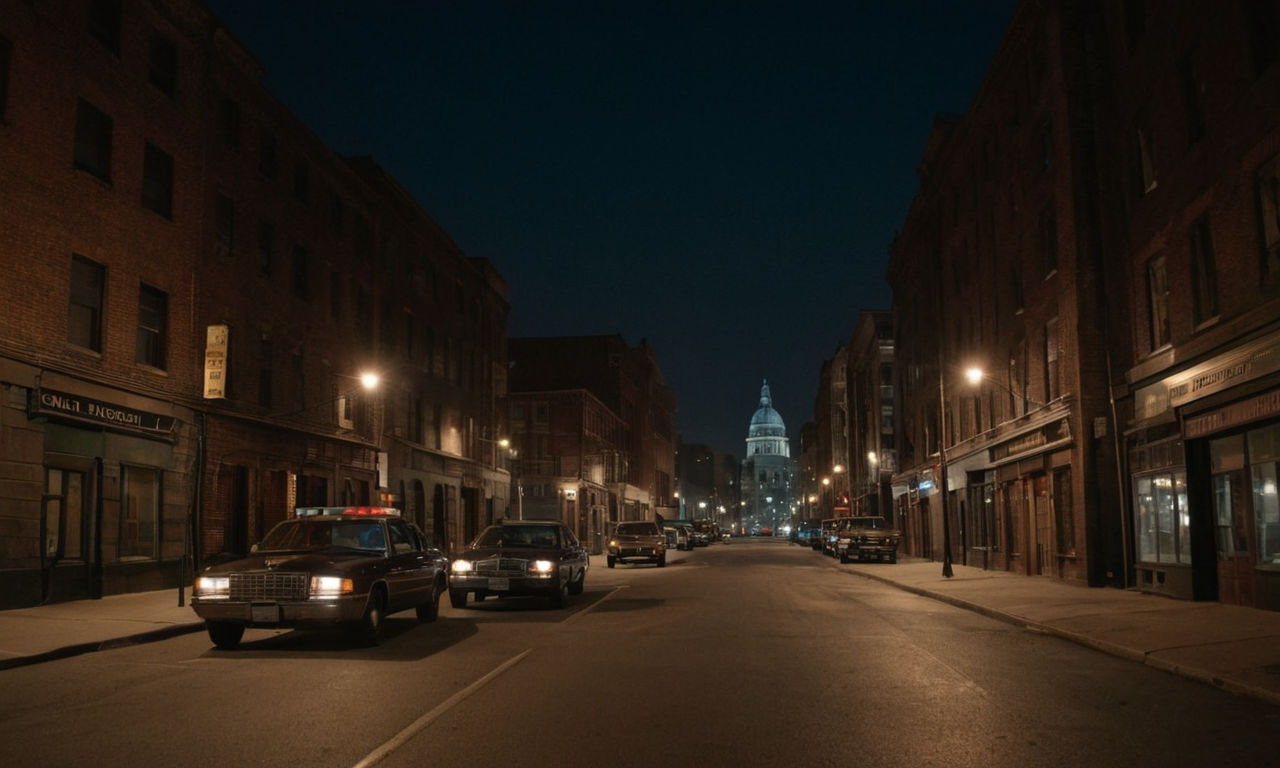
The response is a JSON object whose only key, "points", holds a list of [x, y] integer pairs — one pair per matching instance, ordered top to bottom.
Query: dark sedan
{"points": [[520, 557], [326, 567]]}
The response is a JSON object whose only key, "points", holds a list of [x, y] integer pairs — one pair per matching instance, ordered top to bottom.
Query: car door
{"points": [[572, 554], [409, 572]]}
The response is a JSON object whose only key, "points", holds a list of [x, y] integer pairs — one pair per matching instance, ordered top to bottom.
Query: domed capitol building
{"points": [[768, 469]]}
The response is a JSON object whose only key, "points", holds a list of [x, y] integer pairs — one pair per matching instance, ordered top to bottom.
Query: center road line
{"points": [[592, 607], [413, 728]]}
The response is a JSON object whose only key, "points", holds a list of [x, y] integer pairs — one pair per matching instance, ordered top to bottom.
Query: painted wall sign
{"points": [[215, 362], [50, 402], [1243, 412]]}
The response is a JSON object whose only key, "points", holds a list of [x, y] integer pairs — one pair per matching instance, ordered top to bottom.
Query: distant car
{"points": [[679, 537], [865, 537], [638, 540], [520, 557], [325, 567]]}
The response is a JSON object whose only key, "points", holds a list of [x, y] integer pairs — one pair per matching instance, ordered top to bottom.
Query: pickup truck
{"points": [[865, 536], [641, 540]]}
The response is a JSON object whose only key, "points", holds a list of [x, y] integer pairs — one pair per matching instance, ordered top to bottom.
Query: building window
{"points": [[1135, 21], [104, 23], [1263, 26], [6, 53], [163, 66], [1192, 98], [229, 123], [93, 141], [1144, 150], [267, 158], [157, 181], [302, 181], [1268, 182], [337, 215], [225, 225], [361, 239], [1049, 240], [266, 245], [298, 273], [1204, 275], [1015, 279], [335, 295], [1158, 301], [84, 318], [153, 320], [265, 364], [1052, 371], [541, 412], [1264, 460], [140, 506], [64, 514], [1163, 516]]}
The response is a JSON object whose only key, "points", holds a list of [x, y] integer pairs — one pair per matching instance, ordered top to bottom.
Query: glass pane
{"points": [[1264, 444], [1226, 454], [1266, 506], [1222, 514], [139, 517], [1184, 518], [1146, 519], [1165, 520], [73, 540]]}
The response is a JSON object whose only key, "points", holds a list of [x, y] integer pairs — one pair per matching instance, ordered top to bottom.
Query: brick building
{"points": [[195, 284], [872, 415]]}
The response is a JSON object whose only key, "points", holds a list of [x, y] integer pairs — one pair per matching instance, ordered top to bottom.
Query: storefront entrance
{"points": [[1232, 516]]}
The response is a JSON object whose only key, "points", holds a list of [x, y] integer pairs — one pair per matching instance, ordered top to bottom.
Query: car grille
{"points": [[502, 566], [268, 585]]}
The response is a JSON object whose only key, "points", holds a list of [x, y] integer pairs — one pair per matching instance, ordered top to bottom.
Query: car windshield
{"points": [[862, 522], [636, 529], [318, 534], [517, 536]]}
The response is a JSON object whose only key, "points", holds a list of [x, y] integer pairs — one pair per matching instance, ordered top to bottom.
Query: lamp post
{"points": [[942, 467]]}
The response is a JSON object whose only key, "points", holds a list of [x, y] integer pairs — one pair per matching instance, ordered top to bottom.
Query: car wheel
{"points": [[844, 557], [662, 560], [610, 561], [575, 586], [556, 596], [457, 598], [430, 610], [370, 629], [225, 634]]}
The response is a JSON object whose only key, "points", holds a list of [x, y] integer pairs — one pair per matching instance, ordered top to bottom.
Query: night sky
{"points": [[721, 178]]}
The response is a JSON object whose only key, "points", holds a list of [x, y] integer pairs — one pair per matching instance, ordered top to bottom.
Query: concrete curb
{"points": [[67, 651], [1119, 651]]}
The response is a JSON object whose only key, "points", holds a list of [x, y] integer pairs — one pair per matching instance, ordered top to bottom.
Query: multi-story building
{"points": [[1196, 110], [999, 271], [196, 284], [628, 382], [872, 418], [831, 436], [708, 483], [768, 484]]}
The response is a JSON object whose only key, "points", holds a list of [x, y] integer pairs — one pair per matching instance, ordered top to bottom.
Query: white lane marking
{"points": [[592, 607], [412, 729]]}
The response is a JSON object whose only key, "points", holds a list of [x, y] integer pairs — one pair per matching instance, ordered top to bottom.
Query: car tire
{"points": [[844, 557], [662, 560], [610, 561], [575, 586], [556, 595], [457, 598], [430, 610], [370, 629], [225, 634]]}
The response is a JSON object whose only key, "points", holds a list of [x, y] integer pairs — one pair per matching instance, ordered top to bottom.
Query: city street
{"points": [[755, 652]]}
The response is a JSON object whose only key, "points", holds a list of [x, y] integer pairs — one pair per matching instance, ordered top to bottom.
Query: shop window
{"points": [[163, 64], [92, 151], [157, 181], [84, 316], [153, 322], [1264, 456], [1226, 463], [140, 506], [64, 518], [1163, 525]]}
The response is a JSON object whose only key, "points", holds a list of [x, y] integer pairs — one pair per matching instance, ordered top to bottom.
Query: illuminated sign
{"points": [[215, 362], [49, 402]]}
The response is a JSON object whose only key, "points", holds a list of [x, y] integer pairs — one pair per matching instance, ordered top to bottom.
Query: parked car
{"points": [[828, 536], [866, 536], [679, 537], [638, 540], [520, 557], [325, 567]]}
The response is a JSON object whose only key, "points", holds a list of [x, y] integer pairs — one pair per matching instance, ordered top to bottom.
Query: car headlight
{"points": [[613, 543], [462, 566], [541, 566], [330, 586], [213, 587]]}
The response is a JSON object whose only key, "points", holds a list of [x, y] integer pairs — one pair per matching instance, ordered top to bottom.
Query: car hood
{"points": [[517, 553], [292, 561]]}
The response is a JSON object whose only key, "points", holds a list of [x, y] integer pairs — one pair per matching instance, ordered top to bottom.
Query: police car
{"points": [[348, 567]]}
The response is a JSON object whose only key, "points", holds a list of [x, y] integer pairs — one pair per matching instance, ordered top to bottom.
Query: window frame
{"points": [[162, 63], [91, 151], [157, 180], [1157, 302], [1205, 306], [95, 311], [153, 331], [156, 538]]}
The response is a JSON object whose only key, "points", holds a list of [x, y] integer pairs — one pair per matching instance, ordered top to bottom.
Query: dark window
{"points": [[1135, 21], [104, 23], [1263, 26], [6, 52], [163, 71], [1193, 99], [229, 123], [93, 141], [1144, 151], [267, 158], [157, 181], [302, 181], [338, 215], [1269, 216], [225, 223], [1049, 239], [362, 240], [266, 246], [298, 273], [1204, 276], [335, 295], [1158, 301], [84, 318], [153, 319], [264, 372], [1052, 373]]}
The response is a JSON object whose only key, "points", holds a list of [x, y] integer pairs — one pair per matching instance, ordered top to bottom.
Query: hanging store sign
{"points": [[215, 362], [49, 402], [1045, 437]]}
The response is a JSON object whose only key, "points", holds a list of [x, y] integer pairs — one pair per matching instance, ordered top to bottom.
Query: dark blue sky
{"points": [[721, 178]]}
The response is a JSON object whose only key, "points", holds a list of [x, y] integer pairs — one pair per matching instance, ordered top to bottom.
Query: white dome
{"points": [[766, 422]]}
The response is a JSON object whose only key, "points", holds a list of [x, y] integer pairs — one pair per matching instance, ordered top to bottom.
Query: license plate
{"points": [[499, 584], [265, 614]]}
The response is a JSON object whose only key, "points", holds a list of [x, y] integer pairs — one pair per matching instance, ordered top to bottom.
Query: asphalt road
{"points": [[754, 653]]}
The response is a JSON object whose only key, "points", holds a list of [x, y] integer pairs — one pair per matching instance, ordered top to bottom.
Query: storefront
{"points": [[1204, 466]]}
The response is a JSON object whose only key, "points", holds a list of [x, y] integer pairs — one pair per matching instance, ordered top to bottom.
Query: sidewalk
{"points": [[1229, 647]]}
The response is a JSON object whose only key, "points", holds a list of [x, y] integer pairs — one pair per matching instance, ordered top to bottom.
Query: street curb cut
{"points": [[78, 649], [1145, 658]]}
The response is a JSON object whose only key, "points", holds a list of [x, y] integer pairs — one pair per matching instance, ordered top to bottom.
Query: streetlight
{"points": [[942, 467]]}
